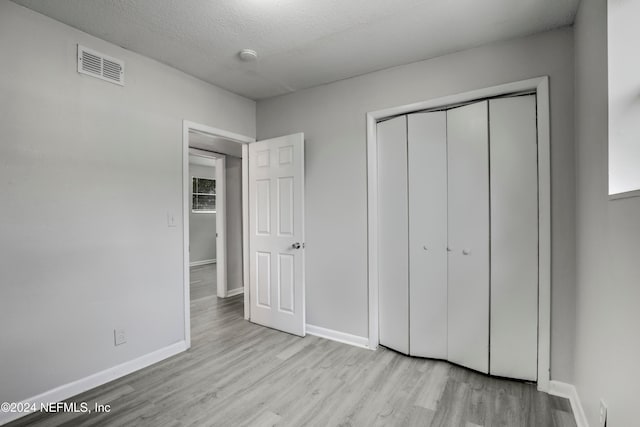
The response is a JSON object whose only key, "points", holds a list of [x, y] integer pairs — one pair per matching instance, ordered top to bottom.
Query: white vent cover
{"points": [[101, 66]]}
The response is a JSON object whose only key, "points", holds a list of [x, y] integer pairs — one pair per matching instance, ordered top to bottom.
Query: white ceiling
{"points": [[301, 43]]}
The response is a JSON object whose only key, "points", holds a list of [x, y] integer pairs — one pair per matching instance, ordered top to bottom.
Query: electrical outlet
{"points": [[119, 336], [603, 414]]}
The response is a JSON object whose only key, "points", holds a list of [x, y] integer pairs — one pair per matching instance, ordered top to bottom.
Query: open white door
{"points": [[276, 233]]}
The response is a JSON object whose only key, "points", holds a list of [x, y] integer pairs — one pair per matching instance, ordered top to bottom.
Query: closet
{"points": [[458, 235]]}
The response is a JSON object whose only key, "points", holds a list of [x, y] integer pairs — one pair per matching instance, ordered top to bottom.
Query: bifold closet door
{"points": [[427, 151], [393, 237], [514, 237], [468, 263]]}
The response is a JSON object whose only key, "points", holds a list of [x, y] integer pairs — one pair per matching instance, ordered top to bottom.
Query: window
{"points": [[203, 198]]}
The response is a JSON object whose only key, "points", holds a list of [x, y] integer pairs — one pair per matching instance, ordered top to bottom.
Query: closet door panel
{"points": [[427, 150], [514, 237], [393, 239], [468, 263]]}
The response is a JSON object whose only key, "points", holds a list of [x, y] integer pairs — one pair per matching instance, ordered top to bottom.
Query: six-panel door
{"points": [[276, 241]]}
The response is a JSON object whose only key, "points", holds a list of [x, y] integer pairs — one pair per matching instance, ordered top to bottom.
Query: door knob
{"points": [[296, 245], [425, 248], [448, 249], [466, 251]]}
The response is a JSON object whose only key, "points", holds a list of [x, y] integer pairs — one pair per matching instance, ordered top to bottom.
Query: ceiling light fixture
{"points": [[248, 55]]}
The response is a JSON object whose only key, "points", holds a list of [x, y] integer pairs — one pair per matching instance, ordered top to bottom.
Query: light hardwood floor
{"points": [[203, 281], [241, 374]]}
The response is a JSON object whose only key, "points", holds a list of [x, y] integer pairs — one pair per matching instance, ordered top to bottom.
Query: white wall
{"points": [[624, 96], [333, 120], [88, 172], [234, 222], [202, 225], [608, 238]]}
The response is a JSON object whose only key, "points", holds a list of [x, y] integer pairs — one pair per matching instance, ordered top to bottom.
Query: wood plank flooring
{"points": [[203, 281], [241, 374]]}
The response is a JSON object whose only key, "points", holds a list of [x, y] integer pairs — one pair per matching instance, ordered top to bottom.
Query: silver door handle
{"points": [[296, 246], [466, 251]]}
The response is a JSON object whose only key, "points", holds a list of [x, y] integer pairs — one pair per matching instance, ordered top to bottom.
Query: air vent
{"points": [[96, 64]]}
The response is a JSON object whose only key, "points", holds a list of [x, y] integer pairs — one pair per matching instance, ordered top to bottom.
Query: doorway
{"points": [[215, 153], [207, 222], [270, 262]]}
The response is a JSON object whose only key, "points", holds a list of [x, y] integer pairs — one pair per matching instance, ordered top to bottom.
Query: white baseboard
{"points": [[203, 262], [236, 291], [342, 337], [71, 389], [569, 391]]}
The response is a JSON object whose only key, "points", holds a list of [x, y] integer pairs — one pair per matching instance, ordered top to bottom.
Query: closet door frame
{"points": [[539, 86]]}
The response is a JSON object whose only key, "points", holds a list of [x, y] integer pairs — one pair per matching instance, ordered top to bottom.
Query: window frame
{"points": [[215, 194]]}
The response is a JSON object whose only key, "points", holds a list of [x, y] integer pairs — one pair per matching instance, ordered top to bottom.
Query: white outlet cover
{"points": [[119, 336]]}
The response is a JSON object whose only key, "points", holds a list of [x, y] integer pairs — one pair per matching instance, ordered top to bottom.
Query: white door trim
{"points": [[541, 87], [241, 139], [221, 218], [221, 226]]}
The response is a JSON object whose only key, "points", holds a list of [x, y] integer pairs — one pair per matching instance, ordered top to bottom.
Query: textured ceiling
{"points": [[301, 43]]}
